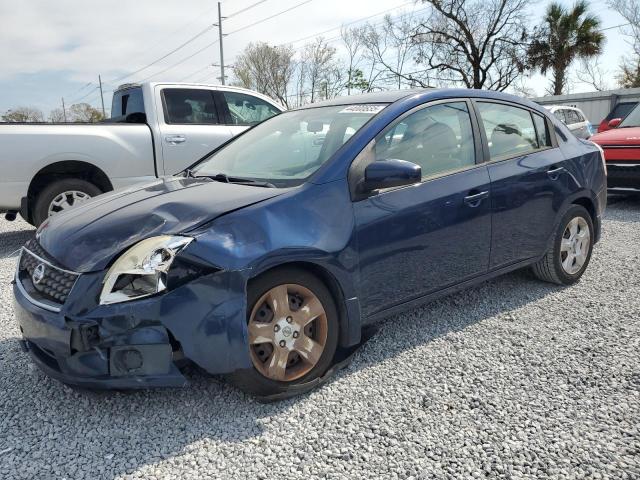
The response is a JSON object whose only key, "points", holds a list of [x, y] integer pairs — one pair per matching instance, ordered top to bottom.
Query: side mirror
{"points": [[614, 122], [390, 173]]}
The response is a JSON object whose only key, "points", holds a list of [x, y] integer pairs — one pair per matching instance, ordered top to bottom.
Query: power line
{"points": [[245, 9], [270, 17], [182, 45], [179, 62]]}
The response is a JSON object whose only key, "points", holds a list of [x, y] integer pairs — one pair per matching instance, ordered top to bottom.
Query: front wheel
{"points": [[62, 195], [570, 253], [293, 332]]}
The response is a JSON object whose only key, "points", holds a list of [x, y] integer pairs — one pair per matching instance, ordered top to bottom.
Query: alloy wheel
{"points": [[66, 200], [574, 248], [287, 332]]}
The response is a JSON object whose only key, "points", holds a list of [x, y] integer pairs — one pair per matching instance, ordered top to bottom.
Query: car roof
{"points": [[430, 94], [561, 107]]}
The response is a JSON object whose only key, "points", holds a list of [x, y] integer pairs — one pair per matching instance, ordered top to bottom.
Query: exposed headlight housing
{"points": [[142, 270]]}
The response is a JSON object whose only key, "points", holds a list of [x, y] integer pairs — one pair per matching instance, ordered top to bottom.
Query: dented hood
{"points": [[87, 237]]}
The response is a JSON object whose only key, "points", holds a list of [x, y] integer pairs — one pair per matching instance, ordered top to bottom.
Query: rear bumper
{"points": [[623, 177]]}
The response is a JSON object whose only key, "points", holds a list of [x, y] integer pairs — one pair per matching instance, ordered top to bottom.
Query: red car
{"points": [[621, 110], [621, 145]]}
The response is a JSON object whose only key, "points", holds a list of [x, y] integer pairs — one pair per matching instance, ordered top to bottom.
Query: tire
{"points": [[56, 188], [553, 266], [297, 282]]}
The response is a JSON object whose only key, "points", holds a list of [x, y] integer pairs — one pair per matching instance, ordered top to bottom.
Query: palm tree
{"points": [[563, 36]]}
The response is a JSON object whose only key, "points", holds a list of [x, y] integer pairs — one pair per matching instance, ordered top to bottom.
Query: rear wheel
{"points": [[61, 195], [569, 255], [293, 332]]}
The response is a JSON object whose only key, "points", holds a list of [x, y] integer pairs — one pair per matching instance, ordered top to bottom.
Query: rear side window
{"points": [[126, 102], [189, 106], [246, 109], [559, 114], [510, 130], [542, 131]]}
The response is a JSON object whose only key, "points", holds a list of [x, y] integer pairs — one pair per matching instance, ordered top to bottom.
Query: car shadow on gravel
{"points": [[10, 242], [124, 431]]}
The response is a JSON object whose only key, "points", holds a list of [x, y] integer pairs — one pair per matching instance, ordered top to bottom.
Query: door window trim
{"points": [[483, 134], [354, 177]]}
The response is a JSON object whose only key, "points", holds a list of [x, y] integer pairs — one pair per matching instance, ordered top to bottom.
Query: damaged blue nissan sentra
{"points": [[272, 252]]}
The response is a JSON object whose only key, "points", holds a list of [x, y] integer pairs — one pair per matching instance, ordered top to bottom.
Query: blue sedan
{"points": [[272, 252]]}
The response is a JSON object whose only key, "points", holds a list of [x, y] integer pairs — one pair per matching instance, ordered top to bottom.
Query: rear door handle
{"points": [[175, 139], [554, 172], [474, 199]]}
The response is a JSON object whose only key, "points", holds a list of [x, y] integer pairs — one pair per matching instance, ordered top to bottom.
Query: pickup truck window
{"points": [[126, 102], [189, 106], [247, 109]]}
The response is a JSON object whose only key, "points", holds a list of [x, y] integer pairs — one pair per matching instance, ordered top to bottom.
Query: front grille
{"points": [[51, 282]]}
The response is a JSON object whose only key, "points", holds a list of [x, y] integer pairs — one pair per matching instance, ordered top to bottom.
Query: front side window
{"points": [[189, 106], [247, 109], [509, 130], [439, 138], [288, 148]]}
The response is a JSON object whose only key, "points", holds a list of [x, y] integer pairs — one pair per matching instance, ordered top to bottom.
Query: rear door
{"points": [[190, 126], [528, 180], [419, 239]]}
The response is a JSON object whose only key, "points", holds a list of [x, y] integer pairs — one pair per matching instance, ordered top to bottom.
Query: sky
{"points": [[54, 49]]}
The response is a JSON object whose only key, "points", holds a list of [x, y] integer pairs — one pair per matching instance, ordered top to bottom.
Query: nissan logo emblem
{"points": [[38, 274]]}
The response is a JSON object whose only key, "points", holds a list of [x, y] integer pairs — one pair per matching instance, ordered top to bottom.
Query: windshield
{"points": [[633, 119], [287, 149]]}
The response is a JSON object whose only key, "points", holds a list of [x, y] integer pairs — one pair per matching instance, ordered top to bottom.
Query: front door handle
{"points": [[175, 139], [554, 172], [474, 199]]}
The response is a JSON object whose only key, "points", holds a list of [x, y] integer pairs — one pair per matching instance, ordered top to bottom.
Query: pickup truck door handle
{"points": [[175, 139], [554, 172], [474, 199]]}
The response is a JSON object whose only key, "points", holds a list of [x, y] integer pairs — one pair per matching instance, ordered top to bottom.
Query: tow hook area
{"points": [[11, 215]]}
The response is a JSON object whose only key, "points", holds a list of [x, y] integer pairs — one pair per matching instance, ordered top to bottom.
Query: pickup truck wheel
{"points": [[60, 196], [569, 255], [292, 332]]}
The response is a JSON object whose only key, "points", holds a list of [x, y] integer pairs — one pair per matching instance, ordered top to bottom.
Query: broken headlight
{"points": [[142, 270]]}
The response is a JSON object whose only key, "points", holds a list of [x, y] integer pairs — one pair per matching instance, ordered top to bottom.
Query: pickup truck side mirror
{"points": [[614, 122], [389, 173]]}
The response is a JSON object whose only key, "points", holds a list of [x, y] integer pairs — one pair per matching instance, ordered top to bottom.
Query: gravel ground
{"points": [[512, 379]]}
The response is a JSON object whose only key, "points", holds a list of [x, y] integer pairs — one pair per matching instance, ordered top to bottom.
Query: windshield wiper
{"points": [[224, 178]]}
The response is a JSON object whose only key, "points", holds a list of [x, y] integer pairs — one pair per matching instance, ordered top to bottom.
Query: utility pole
{"points": [[220, 41], [101, 96], [64, 111]]}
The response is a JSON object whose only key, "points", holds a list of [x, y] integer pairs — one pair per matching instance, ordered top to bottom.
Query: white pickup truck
{"points": [[155, 129]]}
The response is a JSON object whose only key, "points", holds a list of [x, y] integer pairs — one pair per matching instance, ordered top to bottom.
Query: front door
{"points": [[190, 127], [419, 239]]}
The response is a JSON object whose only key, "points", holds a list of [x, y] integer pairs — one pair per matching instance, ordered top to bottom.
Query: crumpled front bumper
{"points": [[138, 344]]}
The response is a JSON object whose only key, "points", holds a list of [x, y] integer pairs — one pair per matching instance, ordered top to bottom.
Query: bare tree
{"points": [[352, 39], [475, 43], [391, 48], [267, 69], [322, 73], [593, 74], [629, 75], [83, 112], [23, 114], [56, 115]]}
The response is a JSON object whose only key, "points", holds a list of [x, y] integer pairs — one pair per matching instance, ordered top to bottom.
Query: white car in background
{"points": [[573, 118], [156, 129]]}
